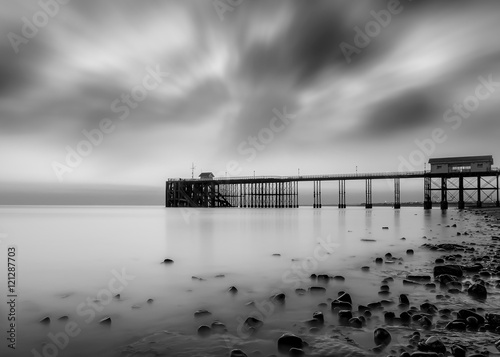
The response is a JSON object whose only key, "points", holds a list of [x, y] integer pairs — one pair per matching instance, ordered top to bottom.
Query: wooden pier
{"points": [[464, 188]]}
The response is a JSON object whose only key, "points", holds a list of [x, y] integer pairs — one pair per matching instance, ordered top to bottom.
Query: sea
{"points": [[92, 281]]}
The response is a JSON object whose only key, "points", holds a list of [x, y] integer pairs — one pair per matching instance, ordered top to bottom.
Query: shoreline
{"points": [[435, 322]]}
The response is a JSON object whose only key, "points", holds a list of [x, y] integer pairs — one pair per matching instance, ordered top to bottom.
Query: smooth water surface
{"points": [[69, 257]]}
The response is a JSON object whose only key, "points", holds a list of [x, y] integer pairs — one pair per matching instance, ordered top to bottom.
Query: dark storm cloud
{"points": [[405, 111]]}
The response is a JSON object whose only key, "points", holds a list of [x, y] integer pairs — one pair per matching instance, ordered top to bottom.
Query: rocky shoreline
{"points": [[449, 306]]}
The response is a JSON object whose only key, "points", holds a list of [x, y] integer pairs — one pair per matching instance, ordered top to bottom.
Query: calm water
{"points": [[67, 255]]}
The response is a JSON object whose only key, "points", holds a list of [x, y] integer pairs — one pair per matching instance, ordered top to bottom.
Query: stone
{"points": [[409, 252], [168, 261], [379, 261], [365, 268], [453, 270], [324, 278], [338, 278], [421, 278], [444, 279], [410, 282], [232, 290], [317, 290], [300, 291], [477, 291], [345, 297], [278, 298], [403, 299], [341, 305], [428, 308], [201, 313], [464, 314], [318, 315], [344, 316], [389, 317], [493, 319], [45, 320], [105, 321], [253, 322], [355, 322], [472, 323], [456, 325], [218, 327], [204, 331], [381, 337], [289, 341], [432, 344], [457, 351], [237, 353], [424, 354]]}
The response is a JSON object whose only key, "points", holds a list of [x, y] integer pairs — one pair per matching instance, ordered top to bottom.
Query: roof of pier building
{"points": [[462, 160], [206, 175]]}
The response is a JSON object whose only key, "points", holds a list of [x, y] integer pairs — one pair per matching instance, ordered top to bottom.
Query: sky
{"points": [[102, 101]]}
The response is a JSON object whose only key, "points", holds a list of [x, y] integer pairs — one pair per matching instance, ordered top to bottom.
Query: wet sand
{"points": [[444, 280]]}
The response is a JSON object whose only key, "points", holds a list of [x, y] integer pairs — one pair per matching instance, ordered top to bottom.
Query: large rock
{"points": [[454, 270], [477, 291], [345, 297], [403, 299], [341, 305], [464, 314], [493, 319], [456, 325], [381, 337], [288, 341], [432, 344]]}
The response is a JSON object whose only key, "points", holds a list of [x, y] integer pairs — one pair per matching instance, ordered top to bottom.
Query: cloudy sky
{"points": [[269, 86]]}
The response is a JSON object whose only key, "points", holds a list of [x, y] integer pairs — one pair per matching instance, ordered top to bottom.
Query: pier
{"points": [[443, 184]]}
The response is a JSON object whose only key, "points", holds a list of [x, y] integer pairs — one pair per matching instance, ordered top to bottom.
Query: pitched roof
{"points": [[461, 160], [206, 175]]}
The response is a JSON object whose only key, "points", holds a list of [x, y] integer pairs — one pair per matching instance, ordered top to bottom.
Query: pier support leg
{"points": [[368, 193], [397, 193], [427, 193], [444, 193], [316, 194], [498, 194], [342, 200], [479, 201], [461, 202]]}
